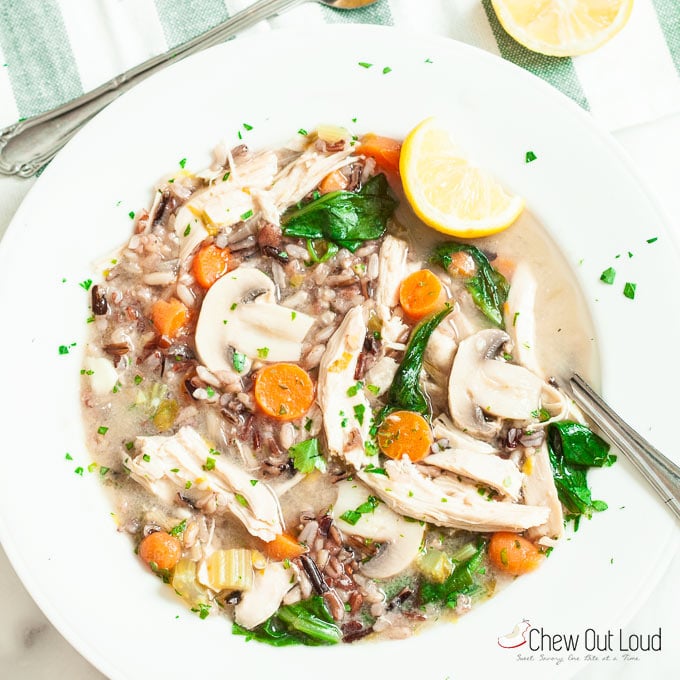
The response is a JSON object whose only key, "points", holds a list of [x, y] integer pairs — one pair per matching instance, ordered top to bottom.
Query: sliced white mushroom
{"points": [[239, 312], [520, 318], [101, 374], [506, 390], [466, 413], [346, 416], [168, 465], [493, 471], [539, 489], [407, 491], [402, 538], [268, 590]]}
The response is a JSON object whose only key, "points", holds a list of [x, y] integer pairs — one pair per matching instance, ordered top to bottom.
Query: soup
{"points": [[324, 419]]}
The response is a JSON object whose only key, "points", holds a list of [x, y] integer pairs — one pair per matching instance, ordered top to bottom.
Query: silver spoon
{"points": [[26, 146], [662, 473]]}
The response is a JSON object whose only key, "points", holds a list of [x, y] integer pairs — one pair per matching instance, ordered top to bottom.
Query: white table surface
{"points": [[32, 649]]}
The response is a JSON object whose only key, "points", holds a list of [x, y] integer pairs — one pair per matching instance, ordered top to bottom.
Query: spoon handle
{"points": [[26, 146], [662, 473]]}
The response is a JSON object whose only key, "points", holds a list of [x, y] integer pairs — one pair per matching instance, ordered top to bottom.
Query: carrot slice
{"points": [[384, 150], [333, 181], [209, 264], [462, 265], [505, 266], [420, 294], [169, 317], [284, 391], [405, 433], [283, 547], [160, 550], [513, 554]]}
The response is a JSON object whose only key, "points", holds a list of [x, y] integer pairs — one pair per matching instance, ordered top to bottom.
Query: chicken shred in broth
{"points": [[320, 417]]}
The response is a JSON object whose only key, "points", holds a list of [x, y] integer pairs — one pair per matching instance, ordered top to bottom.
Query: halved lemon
{"points": [[562, 28], [447, 192]]}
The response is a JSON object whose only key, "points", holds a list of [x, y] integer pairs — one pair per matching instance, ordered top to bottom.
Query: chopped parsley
{"points": [[365, 64], [386, 70], [247, 127], [303, 132], [529, 157], [183, 163], [225, 177], [246, 215], [187, 231], [653, 240], [608, 275], [85, 285], [629, 290], [234, 305], [293, 315], [90, 319], [514, 319], [63, 349], [262, 352], [238, 361], [86, 372], [137, 379], [354, 389], [374, 389], [210, 392], [359, 412], [541, 414], [308, 424], [102, 430], [129, 445], [371, 448], [68, 456], [307, 457], [146, 458], [209, 464], [103, 470], [375, 470], [79, 471], [253, 482], [188, 485], [241, 499], [353, 516], [179, 529], [203, 610]]}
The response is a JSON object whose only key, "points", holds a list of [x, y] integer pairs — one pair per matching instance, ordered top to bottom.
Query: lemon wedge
{"points": [[562, 28], [446, 191]]}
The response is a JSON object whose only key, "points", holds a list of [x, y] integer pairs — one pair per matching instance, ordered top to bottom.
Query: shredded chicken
{"points": [[346, 417], [168, 466], [498, 473], [539, 489], [410, 493]]}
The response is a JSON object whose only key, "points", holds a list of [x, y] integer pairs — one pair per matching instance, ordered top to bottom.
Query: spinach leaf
{"points": [[345, 218], [488, 287], [405, 392], [580, 445], [572, 448], [307, 457], [462, 581], [305, 623]]}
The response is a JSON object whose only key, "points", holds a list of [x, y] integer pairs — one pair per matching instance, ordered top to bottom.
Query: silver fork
{"points": [[28, 145], [662, 473]]}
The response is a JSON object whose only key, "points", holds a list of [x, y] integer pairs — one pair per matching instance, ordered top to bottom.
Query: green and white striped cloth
{"points": [[54, 50]]}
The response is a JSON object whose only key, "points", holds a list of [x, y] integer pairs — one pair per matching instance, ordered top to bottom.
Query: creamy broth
{"points": [[189, 451]]}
